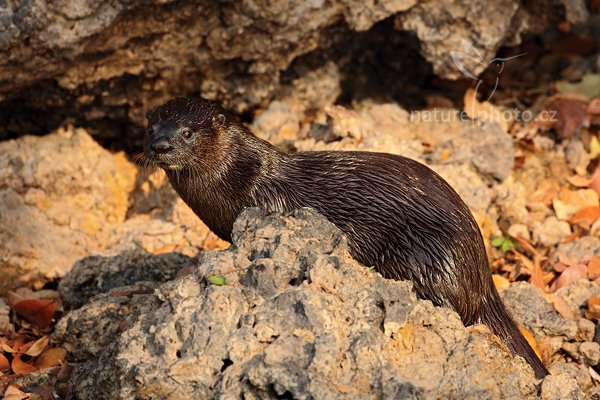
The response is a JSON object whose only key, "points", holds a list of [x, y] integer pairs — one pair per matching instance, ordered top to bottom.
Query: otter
{"points": [[398, 215]]}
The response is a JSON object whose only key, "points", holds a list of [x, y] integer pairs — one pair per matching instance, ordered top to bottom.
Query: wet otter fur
{"points": [[398, 214]]}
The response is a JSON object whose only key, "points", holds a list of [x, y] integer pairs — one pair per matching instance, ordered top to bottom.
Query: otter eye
{"points": [[186, 133]]}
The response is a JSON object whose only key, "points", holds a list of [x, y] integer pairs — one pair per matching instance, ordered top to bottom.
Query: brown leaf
{"points": [[594, 106], [571, 114], [579, 181], [595, 181], [570, 202], [585, 216], [594, 268], [537, 274], [571, 274], [500, 282], [561, 306], [37, 311], [593, 312], [530, 339], [37, 347], [51, 357], [4, 363], [22, 367], [14, 393]]}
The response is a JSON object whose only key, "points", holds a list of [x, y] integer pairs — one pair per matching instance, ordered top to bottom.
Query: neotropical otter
{"points": [[398, 215]]}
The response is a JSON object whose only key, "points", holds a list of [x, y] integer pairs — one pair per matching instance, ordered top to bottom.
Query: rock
{"points": [[106, 63], [277, 124], [487, 147], [57, 212], [519, 231], [551, 231], [579, 250], [96, 274], [577, 293], [530, 308], [296, 318], [590, 352], [561, 387]]}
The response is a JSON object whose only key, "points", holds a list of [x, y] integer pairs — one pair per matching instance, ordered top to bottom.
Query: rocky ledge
{"points": [[282, 313]]}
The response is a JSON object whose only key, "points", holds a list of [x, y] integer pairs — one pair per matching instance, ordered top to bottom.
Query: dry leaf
{"points": [[571, 114], [579, 181], [595, 181], [571, 201], [586, 216], [169, 248], [594, 268], [537, 274], [571, 274], [500, 282], [561, 306], [37, 311], [593, 312], [530, 339], [37, 347], [51, 357], [4, 363], [22, 367], [594, 374], [14, 393]]}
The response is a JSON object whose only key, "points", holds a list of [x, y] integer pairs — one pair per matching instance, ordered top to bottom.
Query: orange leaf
{"points": [[579, 181], [595, 182], [585, 216], [594, 268], [571, 274], [537, 275], [500, 282], [562, 307], [37, 311], [593, 312], [530, 339], [37, 347], [51, 357], [4, 364], [21, 367], [14, 393]]}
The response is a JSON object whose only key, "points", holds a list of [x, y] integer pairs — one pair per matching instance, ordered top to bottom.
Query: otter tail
{"points": [[497, 318]]}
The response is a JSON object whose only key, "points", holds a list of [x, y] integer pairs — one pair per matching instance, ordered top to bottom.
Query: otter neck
{"points": [[219, 191]]}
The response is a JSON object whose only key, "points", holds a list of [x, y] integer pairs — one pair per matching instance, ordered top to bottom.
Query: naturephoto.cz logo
{"points": [[474, 109]]}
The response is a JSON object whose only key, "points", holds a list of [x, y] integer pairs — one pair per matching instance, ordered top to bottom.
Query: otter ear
{"points": [[149, 115], [219, 120]]}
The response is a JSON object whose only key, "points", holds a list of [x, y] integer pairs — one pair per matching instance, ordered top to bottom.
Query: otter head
{"points": [[185, 133]]}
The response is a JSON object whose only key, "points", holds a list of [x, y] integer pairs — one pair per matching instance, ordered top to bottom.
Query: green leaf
{"points": [[497, 242], [506, 245], [371, 268], [217, 280]]}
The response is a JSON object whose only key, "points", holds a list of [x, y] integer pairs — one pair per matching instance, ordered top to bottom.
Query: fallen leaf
{"points": [[594, 106], [570, 112], [579, 181], [571, 201], [585, 216], [169, 248], [560, 267], [594, 268], [537, 274], [571, 274], [217, 280], [500, 282], [561, 307], [37, 311], [593, 312], [530, 339], [37, 347], [51, 357], [4, 363], [22, 367], [594, 374], [14, 393]]}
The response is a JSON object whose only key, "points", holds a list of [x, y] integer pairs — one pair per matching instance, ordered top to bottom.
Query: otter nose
{"points": [[161, 147]]}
